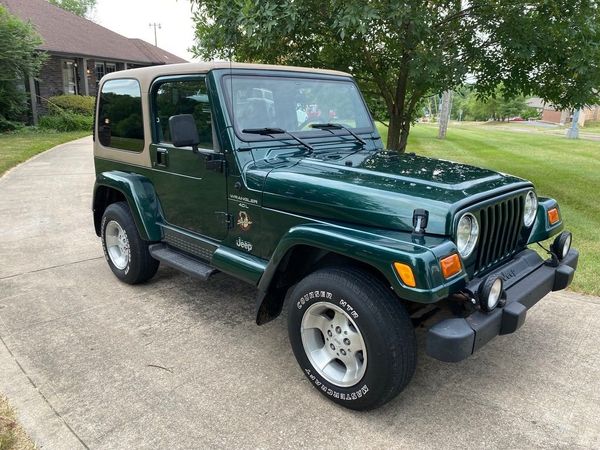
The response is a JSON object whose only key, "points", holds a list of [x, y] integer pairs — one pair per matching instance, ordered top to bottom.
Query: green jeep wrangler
{"points": [[277, 176]]}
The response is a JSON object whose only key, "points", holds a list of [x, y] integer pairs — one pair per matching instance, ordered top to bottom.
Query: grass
{"points": [[591, 126], [18, 146], [567, 170], [12, 436]]}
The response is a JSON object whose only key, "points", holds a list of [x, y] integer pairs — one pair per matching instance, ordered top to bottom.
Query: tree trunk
{"points": [[445, 114], [394, 131], [398, 131], [404, 136]]}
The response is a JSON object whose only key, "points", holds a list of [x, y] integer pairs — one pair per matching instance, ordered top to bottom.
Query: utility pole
{"points": [[155, 26], [445, 110], [573, 131]]}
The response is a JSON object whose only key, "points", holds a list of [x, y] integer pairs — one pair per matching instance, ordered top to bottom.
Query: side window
{"points": [[183, 97], [120, 120]]}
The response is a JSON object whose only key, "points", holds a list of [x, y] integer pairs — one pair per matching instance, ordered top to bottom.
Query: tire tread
{"points": [[146, 266], [389, 311]]}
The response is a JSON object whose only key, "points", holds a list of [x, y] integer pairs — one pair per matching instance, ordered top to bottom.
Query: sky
{"points": [[131, 18]]}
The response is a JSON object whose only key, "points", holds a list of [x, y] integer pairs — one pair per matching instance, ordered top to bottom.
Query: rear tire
{"points": [[125, 251], [352, 337]]}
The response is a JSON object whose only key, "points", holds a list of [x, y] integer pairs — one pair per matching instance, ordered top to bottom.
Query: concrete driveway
{"points": [[91, 362]]}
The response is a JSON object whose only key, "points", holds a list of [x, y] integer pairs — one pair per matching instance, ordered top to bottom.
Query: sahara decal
{"points": [[244, 221]]}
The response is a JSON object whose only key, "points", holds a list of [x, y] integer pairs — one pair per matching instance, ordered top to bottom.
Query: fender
{"points": [[140, 196], [542, 229], [377, 248]]}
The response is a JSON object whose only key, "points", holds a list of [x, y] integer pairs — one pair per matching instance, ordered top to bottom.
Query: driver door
{"points": [[192, 193]]}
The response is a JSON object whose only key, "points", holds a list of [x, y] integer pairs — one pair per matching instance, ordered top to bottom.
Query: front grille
{"points": [[500, 228]]}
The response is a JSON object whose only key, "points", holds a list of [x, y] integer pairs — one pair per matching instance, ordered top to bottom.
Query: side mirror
{"points": [[183, 131]]}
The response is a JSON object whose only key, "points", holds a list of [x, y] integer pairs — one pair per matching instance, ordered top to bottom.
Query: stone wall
{"points": [[51, 76], [50, 79]]}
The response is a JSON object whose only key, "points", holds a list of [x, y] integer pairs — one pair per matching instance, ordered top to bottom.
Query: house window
{"points": [[102, 68], [100, 72], [69, 73], [183, 97], [120, 122]]}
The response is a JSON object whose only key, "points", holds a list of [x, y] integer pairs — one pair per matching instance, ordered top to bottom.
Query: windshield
{"points": [[293, 104]]}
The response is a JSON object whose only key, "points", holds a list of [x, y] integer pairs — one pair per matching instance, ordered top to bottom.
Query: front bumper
{"points": [[527, 279]]}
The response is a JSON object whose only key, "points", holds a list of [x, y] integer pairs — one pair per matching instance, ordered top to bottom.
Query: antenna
{"points": [[231, 85]]}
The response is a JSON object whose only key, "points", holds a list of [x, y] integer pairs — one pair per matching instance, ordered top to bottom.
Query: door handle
{"points": [[162, 157], [214, 162]]}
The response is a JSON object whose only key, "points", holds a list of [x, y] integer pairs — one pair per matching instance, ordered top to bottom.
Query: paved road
{"points": [[176, 363]]}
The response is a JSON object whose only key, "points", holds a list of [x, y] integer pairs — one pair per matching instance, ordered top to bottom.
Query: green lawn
{"points": [[591, 127], [21, 145], [567, 170]]}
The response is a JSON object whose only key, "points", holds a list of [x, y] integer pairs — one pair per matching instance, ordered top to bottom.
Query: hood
{"points": [[381, 189]]}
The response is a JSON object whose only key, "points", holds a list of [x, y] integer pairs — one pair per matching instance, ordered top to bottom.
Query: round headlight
{"points": [[531, 205], [467, 233], [490, 293]]}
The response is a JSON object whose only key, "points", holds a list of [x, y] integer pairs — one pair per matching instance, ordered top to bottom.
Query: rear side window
{"points": [[183, 97], [120, 120]]}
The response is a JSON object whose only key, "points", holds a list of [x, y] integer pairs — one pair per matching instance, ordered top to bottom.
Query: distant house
{"points": [[80, 51], [553, 115]]}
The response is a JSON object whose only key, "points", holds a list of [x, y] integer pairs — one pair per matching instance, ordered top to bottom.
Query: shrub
{"points": [[78, 104], [67, 121], [9, 125]]}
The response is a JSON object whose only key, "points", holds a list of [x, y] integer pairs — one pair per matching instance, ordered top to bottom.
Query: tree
{"points": [[80, 7], [404, 51], [19, 60], [494, 107]]}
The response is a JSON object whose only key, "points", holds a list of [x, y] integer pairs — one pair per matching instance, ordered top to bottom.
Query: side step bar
{"points": [[182, 262]]}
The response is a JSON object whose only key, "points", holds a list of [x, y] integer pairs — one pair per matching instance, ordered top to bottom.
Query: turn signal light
{"points": [[553, 216], [450, 265], [406, 274]]}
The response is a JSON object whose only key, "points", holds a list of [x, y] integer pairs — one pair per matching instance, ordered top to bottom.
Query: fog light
{"points": [[562, 244], [490, 293]]}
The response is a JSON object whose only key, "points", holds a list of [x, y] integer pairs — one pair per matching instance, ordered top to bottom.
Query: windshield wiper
{"points": [[338, 126], [272, 131]]}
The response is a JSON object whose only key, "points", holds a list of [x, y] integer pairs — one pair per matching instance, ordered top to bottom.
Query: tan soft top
{"points": [[147, 74]]}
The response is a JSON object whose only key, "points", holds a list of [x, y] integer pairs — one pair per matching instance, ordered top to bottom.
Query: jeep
{"points": [[277, 176]]}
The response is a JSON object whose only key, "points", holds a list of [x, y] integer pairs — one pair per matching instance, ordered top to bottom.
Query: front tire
{"points": [[125, 251], [352, 337]]}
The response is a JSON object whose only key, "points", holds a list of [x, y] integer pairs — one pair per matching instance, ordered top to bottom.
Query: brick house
{"points": [[80, 51], [551, 114]]}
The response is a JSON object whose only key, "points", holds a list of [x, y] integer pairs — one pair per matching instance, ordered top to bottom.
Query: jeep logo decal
{"points": [[245, 245], [507, 274]]}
